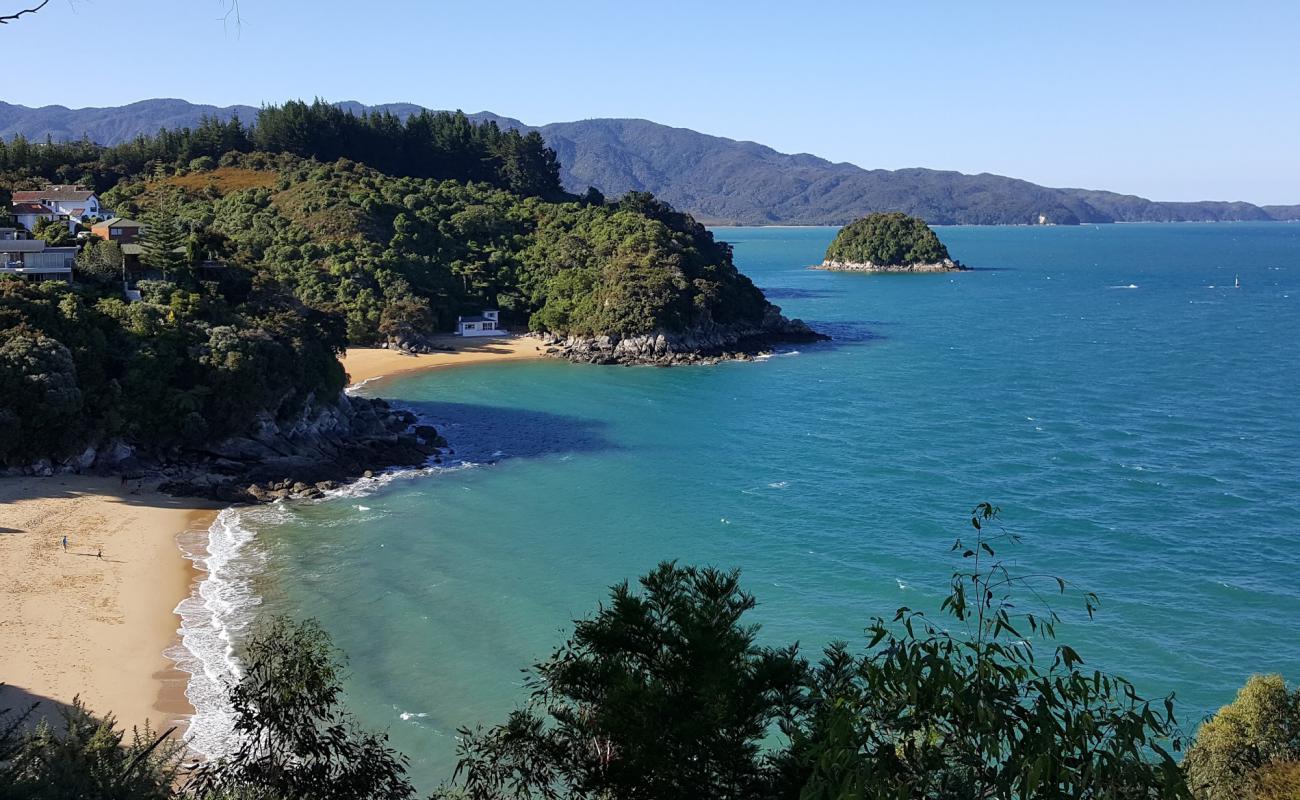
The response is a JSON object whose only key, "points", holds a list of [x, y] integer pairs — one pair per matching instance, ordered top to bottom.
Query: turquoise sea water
{"points": [[1133, 414]]}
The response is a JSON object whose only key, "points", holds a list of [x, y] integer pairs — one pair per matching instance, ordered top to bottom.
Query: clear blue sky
{"points": [[1171, 100]]}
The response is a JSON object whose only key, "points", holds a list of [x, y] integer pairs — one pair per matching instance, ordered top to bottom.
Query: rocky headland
{"points": [[708, 343], [324, 446]]}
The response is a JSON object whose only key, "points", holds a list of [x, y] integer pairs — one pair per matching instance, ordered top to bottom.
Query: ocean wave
{"points": [[356, 387], [221, 607]]}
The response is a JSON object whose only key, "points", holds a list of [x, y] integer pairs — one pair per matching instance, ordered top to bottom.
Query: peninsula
{"points": [[892, 242], [194, 337]]}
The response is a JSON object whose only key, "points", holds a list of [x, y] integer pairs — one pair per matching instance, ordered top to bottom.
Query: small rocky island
{"points": [[892, 242]]}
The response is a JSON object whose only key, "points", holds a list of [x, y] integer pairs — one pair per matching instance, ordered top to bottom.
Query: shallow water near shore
{"points": [[1131, 412]]}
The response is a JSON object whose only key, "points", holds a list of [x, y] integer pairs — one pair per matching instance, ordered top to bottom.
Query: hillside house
{"points": [[72, 204], [118, 229], [31, 259], [485, 324]]}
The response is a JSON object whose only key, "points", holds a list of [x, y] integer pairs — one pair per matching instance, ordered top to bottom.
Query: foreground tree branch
{"points": [[5, 19]]}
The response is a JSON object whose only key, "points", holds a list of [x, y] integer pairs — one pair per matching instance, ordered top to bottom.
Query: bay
{"points": [[1132, 413]]}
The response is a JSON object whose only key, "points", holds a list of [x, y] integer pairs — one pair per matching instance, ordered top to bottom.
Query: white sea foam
{"points": [[1124, 286], [354, 388], [363, 487], [223, 603]]}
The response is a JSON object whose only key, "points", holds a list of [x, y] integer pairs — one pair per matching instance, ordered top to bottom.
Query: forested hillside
{"points": [[713, 178], [329, 228], [397, 257]]}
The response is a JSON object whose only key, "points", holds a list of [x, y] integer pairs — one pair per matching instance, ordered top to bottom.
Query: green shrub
{"points": [[1258, 731]]}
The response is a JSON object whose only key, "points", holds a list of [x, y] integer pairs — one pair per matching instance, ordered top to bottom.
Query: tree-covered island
{"points": [[892, 242]]}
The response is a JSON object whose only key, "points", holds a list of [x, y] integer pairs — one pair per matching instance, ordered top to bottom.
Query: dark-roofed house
{"points": [[31, 259]]}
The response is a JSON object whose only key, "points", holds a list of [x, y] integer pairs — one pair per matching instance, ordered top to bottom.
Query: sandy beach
{"points": [[372, 363], [75, 623]]}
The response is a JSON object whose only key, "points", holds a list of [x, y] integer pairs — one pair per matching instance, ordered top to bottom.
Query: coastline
{"points": [[365, 364], [73, 624], [110, 630]]}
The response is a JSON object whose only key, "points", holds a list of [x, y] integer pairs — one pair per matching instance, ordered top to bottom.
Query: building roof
{"points": [[58, 194], [29, 208], [117, 222], [22, 246], [132, 249], [476, 319]]}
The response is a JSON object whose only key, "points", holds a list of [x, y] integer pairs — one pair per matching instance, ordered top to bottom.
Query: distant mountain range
{"points": [[716, 179]]}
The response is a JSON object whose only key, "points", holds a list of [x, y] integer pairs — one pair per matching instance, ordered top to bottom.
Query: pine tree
{"points": [[162, 247]]}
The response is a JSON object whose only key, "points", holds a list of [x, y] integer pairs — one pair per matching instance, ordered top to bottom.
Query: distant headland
{"points": [[892, 242]]}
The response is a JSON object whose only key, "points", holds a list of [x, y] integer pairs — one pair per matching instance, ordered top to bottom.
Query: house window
{"points": [[114, 231]]}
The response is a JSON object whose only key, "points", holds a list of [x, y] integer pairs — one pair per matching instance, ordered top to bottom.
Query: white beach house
{"points": [[485, 324]]}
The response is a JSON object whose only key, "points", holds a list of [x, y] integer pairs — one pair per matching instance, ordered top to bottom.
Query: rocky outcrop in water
{"points": [[946, 265], [705, 344], [305, 456]]}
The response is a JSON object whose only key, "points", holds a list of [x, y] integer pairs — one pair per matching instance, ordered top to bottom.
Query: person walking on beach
{"points": [[65, 541], [100, 554]]}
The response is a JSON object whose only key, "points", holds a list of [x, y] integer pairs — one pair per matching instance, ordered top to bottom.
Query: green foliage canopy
{"points": [[887, 240], [376, 249], [183, 367], [662, 694], [293, 737], [1254, 739]]}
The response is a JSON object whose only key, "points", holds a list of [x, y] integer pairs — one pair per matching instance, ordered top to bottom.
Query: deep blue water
{"points": [[1133, 415]]}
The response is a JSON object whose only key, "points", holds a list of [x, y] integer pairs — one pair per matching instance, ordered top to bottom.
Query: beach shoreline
{"points": [[368, 364], [93, 620], [73, 624]]}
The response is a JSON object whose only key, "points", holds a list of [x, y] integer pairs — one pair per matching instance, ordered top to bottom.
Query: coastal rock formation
{"points": [[888, 243], [946, 265], [704, 344], [305, 456]]}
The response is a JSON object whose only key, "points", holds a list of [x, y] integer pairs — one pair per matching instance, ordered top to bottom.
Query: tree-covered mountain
{"points": [[715, 179]]}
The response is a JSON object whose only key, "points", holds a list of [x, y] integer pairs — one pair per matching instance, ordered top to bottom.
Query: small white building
{"points": [[485, 324]]}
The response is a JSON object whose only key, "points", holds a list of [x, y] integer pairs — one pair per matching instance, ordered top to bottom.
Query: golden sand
{"points": [[92, 619]]}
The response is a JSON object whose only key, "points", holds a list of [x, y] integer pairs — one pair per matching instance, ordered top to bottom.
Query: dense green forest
{"points": [[426, 145], [329, 228], [887, 240], [399, 256], [81, 366], [666, 693]]}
